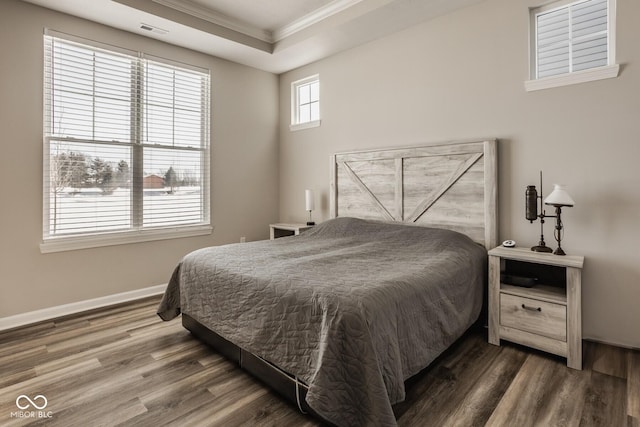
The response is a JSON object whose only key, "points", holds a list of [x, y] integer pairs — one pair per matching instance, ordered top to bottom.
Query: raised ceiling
{"points": [[268, 16], [272, 35]]}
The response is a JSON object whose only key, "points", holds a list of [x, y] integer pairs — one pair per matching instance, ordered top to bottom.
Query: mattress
{"points": [[352, 308]]}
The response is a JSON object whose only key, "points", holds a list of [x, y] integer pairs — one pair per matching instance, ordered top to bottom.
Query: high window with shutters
{"points": [[572, 42], [126, 146]]}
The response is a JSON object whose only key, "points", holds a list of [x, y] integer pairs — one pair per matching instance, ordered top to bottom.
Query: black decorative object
{"points": [[531, 213]]}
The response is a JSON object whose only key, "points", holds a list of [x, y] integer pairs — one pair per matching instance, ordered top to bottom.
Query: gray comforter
{"points": [[351, 307]]}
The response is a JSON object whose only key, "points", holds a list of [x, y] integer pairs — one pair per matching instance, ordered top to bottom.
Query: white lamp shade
{"points": [[559, 197], [308, 200]]}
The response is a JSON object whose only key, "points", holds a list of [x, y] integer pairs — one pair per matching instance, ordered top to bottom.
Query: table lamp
{"points": [[559, 198], [309, 204]]}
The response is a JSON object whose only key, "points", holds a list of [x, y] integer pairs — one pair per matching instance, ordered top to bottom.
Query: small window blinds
{"points": [[572, 38], [126, 142]]}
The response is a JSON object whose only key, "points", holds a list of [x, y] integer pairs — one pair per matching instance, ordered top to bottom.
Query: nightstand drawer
{"points": [[531, 315]]}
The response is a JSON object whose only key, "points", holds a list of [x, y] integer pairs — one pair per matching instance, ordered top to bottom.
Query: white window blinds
{"points": [[572, 38], [126, 142]]}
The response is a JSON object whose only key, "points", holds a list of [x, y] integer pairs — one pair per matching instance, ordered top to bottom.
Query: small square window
{"points": [[572, 42], [305, 103]]}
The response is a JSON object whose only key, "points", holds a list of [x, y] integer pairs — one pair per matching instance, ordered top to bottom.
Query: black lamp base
{"points": [[311, 223], [558, 231], [541, 248], [559, 251]]}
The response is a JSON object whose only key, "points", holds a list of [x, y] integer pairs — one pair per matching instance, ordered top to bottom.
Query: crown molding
{"points": [[193, 9], [318, 15], [312, 18], [352, 24]]}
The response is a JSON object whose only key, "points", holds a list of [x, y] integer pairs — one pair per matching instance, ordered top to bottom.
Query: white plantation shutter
{"points": [[589, 34], [572, 38], [126, 142]]}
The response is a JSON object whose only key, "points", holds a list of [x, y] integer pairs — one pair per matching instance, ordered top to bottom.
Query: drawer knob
{"points": [[531, 308]]}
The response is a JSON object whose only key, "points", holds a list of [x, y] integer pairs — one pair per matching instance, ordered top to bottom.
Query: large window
{"points": [[572, 42], [305, 103], [126, 146]]}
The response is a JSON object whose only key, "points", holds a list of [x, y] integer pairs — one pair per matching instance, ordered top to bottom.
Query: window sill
{"points": [[600, 73], [307, 125], [62, 244]]}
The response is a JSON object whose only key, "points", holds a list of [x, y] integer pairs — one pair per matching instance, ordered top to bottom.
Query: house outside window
{"points": [[572, 42], [305, 103], [126, 146]]}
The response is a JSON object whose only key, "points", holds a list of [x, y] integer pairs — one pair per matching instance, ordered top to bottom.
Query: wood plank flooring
{"points": [[124, 366]]}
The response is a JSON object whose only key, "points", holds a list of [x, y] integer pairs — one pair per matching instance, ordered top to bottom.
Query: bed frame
{"points": [[449, 185], [280, 381]]}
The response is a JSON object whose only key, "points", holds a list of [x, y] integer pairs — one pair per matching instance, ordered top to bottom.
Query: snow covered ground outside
{"points": [[71, 210]]}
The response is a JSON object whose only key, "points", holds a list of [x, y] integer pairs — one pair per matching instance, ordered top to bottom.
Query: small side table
{"points": [[283, 230], [547, 316]]}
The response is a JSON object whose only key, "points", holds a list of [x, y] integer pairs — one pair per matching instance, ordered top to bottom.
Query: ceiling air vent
{"points": [[153, 29]]}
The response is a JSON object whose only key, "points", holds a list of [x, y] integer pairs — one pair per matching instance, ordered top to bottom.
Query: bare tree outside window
{"points": [[68, 172], [170, 179]]}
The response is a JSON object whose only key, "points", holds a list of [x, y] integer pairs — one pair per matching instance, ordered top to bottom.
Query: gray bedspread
{"points": [[351, 307]]}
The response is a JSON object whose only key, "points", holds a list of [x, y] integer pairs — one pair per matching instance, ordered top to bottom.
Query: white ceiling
{"points": [[268, 15], [272, 35]]}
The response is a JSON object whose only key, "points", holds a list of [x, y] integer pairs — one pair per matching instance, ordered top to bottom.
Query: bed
{"points": [[336, 319]]}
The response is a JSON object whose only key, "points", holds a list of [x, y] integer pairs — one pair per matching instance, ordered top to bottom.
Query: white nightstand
{"points": [[283, 230], [547, 316]]}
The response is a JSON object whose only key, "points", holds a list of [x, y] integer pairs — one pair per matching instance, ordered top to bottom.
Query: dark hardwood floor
{"points": [[124, 366]]}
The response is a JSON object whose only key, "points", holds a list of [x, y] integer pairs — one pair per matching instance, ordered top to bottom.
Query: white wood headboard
{"points": [[452, 185]]}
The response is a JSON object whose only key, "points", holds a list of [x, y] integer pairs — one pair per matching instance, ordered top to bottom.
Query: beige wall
{"points": [[461, 76], [244, 175]]}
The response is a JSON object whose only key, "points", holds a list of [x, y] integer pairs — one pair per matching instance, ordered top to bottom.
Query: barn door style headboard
{"points": [[452, 185]]}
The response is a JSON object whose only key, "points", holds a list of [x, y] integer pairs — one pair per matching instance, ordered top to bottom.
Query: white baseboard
{"points": [[44, 314]]}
